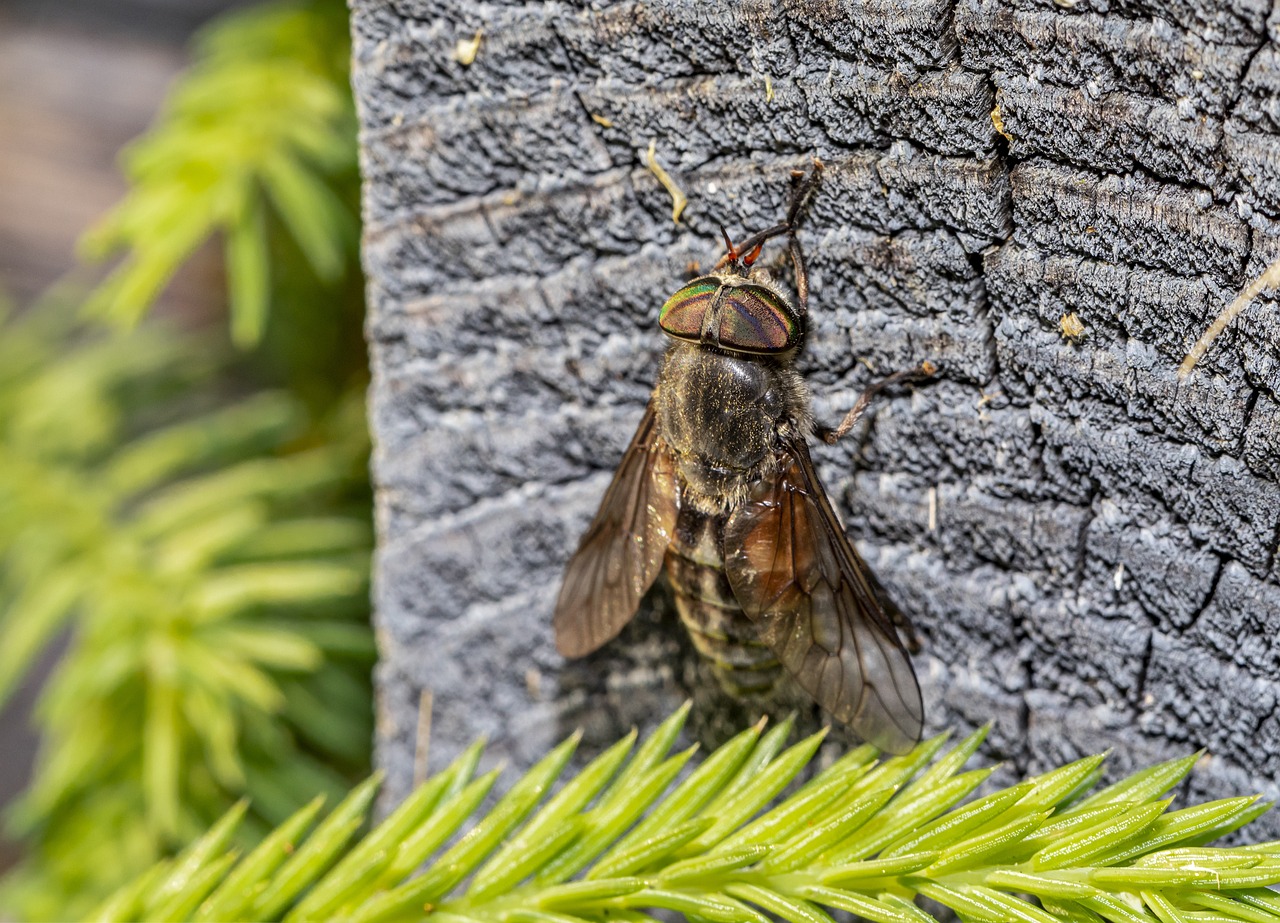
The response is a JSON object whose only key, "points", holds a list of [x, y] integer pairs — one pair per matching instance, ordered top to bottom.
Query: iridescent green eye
{"points": [[683, 314], [748, 318], [754, 319]]}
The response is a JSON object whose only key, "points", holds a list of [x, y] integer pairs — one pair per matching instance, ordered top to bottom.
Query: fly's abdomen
{"points": [[720, 630]]}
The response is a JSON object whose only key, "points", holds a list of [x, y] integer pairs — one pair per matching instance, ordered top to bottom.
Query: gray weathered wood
{"points": [[1100, 568]]}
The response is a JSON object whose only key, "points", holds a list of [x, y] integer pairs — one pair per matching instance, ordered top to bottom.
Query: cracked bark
{"points": [[1101, 571]]}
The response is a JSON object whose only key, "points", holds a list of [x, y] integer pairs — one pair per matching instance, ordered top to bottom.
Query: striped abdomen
{"points": [[720, 630]]}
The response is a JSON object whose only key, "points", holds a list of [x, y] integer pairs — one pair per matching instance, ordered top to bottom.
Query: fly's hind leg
{"points": [[831, 435]]}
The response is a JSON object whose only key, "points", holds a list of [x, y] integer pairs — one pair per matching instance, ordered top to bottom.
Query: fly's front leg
{"points": [[803, 182], [830, 436]]}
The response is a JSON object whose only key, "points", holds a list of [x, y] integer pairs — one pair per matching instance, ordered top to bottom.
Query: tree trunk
{"points": [[1086, 544]]}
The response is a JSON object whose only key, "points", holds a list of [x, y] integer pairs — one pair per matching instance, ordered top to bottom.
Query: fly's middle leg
{"points": [[832, 435]]}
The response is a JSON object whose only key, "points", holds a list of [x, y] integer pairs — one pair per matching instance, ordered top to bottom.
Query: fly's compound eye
{"points": [[684, 313], [747, 318], [755, 320]]}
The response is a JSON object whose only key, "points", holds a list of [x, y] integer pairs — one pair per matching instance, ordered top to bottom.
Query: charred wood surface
{"points": [[1087, 544]]}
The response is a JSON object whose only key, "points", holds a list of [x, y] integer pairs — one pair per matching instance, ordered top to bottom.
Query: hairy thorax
{"points": [[720, 413]]}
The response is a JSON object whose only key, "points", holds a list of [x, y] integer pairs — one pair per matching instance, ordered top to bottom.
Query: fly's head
{"points": [[737, 307]]}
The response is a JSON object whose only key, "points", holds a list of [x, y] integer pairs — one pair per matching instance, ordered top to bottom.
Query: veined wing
{"points": [[622, 551], [795, 574]]}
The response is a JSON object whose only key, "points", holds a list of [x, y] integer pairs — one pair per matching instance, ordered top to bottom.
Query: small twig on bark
{"points": [[1269, 279]]}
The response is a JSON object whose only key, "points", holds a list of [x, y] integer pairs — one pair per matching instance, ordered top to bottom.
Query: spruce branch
{"points": [[621, 839]]}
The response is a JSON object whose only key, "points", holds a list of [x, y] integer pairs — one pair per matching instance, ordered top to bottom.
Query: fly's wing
{"points": [[621, 553], [797, 577]]}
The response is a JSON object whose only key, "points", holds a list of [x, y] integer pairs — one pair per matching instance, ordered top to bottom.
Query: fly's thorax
{"points": [[721, 413]]}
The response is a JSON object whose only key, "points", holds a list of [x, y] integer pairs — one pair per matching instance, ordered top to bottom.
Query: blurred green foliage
{"points": [[261, 128], [192, 522], [211, 564]]}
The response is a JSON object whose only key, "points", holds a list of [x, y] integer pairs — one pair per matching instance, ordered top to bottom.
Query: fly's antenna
{"points": [[802, 183], [732, 255]]}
